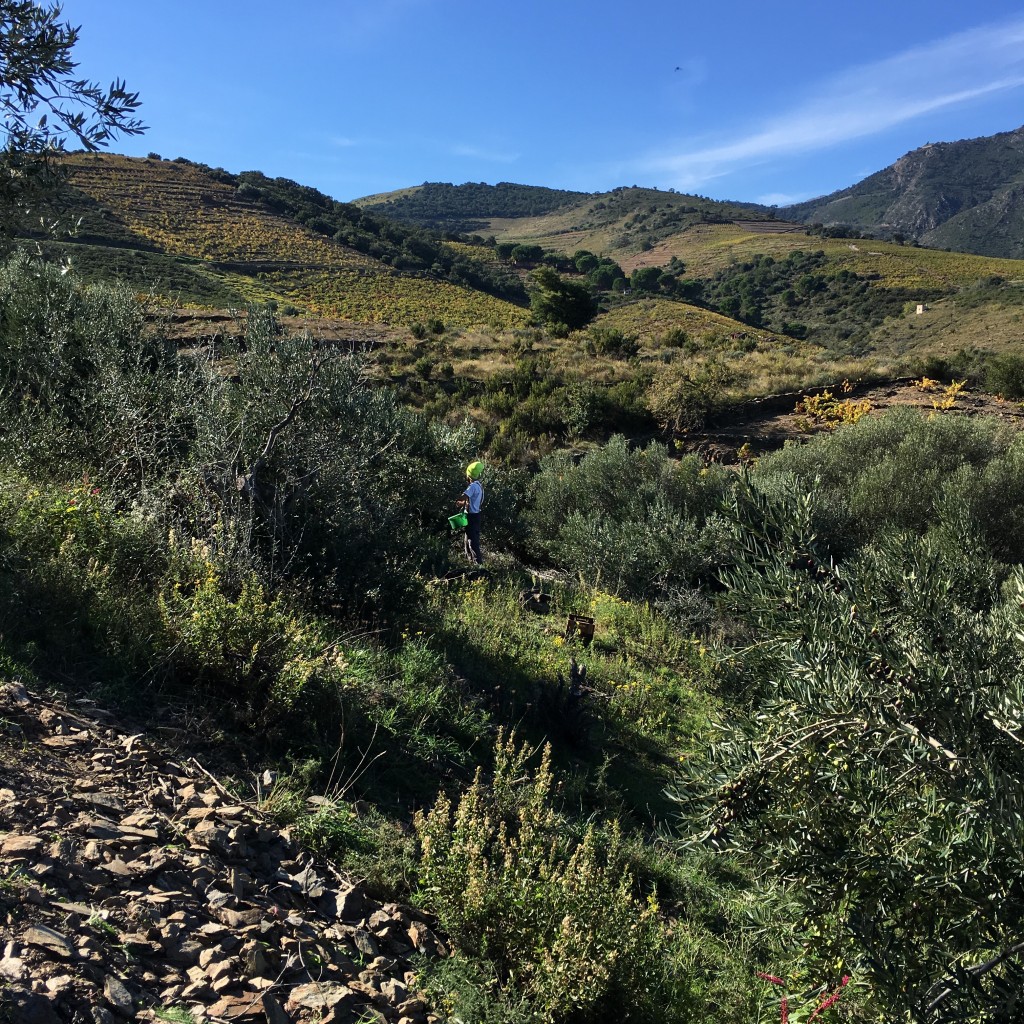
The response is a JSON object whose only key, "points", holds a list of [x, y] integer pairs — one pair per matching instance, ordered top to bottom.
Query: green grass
{"points": [[650, 697]]}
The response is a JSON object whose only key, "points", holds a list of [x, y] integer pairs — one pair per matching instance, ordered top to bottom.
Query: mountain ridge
{"points": [[966, 196]]}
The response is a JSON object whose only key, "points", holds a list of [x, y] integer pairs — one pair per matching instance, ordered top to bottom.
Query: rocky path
{"points": [[766, 424], [133, 887]]}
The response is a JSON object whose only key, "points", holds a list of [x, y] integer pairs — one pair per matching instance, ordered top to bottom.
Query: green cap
{"points": [[474, 470]]}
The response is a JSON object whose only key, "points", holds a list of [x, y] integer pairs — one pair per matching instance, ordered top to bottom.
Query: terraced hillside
{"points": [[467, 207], [623, 222], [203, 233], [708, 248], [971, 301], [745, 304]]}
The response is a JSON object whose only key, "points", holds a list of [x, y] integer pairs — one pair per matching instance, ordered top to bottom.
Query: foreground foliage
{"points": [[792, 746]]}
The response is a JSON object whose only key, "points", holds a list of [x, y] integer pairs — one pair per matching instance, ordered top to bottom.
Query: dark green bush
{"points": [[610, 341], [1005, 376], [280, 445], [908, 472], [634, 519], [874, 768]]}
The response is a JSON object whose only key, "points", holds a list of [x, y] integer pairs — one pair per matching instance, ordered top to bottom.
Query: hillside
{"points": [[967, 196], [469, 207], [622, 222], [209, 237], [857, 300], [741, 305], [579, 768], [136, 885]]}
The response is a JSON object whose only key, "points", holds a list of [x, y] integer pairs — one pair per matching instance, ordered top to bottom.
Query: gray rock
{"points": [[16, 693], [105, 801], [21, 846], [351, 904], [239, 918], [48, 938], [424, 940], [366, 944], [185, 954], [256, 965], [12, 968], [57, 986], [395, 991], [325, 995], [119, 998], [414, 1007], [29, 1008], [274, 1010]]}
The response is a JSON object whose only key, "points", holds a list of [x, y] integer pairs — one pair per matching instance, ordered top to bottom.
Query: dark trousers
{"points": [[473, 538]]}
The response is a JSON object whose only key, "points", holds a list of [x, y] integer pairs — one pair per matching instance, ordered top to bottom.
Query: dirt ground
{"points": [[187, 326], [766, 424]]}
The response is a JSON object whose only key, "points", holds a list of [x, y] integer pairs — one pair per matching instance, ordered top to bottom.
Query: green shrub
{"points": [[610, 341], [1004, 376], [683, 397], [241, 441], [907, 472], [636, 520], [74, 576], [245, 648], [874, 769], [553, 913]]}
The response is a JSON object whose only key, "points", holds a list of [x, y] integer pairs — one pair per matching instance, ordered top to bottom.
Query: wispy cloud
{"points": [[864, 100], [342, 141], [494, 156], [782, 198]]}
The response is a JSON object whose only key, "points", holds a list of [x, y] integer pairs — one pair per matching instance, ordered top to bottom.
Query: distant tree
{"points": [[44, 108], [526, 254], [584, 261], [605, 274], [645, 279], [689, 289], [560, 303]]}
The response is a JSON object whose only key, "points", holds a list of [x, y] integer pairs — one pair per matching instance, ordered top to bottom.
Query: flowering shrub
{"points": [[552, 911]]}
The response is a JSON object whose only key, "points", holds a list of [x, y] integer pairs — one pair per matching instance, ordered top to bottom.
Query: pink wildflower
{"points": [[830, 1001]]}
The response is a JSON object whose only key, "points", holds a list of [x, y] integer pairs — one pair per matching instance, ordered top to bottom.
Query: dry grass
{"points": [[708, 248], [945, 328]]}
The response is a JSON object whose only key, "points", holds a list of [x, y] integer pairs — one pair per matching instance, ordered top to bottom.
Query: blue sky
{"points": [[771, 102]]}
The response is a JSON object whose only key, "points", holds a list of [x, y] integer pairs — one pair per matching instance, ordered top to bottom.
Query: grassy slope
{"points": [[179, 211], [619, 222], [169, 224], [623, 224], [708, 248], [991, 321]]}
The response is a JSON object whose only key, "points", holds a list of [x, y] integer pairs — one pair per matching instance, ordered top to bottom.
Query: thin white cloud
{"points": [[863, 101], [342, 142], [494, 156], [783, 198]]}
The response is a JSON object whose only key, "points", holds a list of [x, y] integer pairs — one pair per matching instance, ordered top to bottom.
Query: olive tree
{"points": [[45, 108], [879, 772]]}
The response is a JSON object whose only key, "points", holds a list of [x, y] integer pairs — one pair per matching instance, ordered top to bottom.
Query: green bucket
{"points": [[458, 521]]}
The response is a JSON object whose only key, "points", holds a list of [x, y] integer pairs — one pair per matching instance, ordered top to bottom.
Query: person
{"points": [[472, 501]]}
